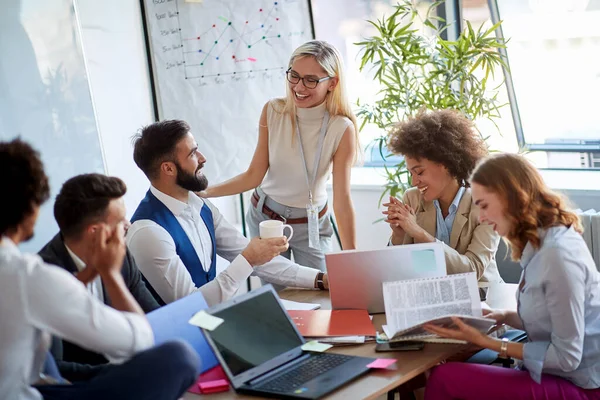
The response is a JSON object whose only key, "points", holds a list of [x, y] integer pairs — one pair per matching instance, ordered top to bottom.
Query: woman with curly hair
{"points": [[441, 148], [558, 297]]}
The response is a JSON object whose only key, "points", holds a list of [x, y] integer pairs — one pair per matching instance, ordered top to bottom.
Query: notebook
{"points": [[324, 323]]}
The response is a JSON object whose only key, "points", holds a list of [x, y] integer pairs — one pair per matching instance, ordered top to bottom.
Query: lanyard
{"points": [[317, 156]]}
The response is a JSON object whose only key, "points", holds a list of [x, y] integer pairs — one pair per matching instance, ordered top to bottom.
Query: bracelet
{"points": [[319, 281], [503, 348]]}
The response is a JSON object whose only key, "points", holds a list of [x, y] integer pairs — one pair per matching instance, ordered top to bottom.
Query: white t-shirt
{"points": [[285, 181]]}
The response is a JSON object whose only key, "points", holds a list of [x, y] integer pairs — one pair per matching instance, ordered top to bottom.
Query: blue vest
{"points": [[153, 209]]}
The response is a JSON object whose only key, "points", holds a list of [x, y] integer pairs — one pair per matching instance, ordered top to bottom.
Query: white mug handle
{"points": [[291, 231]]}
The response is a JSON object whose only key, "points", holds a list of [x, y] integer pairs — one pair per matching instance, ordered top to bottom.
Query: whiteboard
{"points": [[216, 63], [45, 96]]}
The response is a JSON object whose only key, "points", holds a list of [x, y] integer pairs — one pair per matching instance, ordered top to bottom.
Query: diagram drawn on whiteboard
{"points": [[216, 62]]}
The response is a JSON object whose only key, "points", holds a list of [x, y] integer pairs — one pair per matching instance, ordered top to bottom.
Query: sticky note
{"points": [[194, 1], [423, 260], [205, 320], [315, 346], [382, 363], [220, 385]]}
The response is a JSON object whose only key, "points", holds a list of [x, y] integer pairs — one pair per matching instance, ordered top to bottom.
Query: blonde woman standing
{"points": [[303, 139]]}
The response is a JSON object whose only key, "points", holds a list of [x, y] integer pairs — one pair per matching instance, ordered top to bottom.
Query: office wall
{"points": [[114, 49], [115, 52]]}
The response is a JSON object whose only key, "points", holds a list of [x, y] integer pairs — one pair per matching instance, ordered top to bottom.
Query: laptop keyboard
{"points": [[304, 372]]}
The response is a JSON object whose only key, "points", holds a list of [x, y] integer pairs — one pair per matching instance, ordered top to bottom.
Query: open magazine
{"points": [[412, 303]]}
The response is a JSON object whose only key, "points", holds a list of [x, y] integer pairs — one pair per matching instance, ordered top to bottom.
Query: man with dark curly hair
{"points": [[441, 149], [37, 299]]}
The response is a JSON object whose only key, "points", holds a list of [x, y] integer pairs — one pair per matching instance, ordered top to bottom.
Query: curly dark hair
{"points": [[443, 136], [156, 143], [23, 181], [83, 200]]}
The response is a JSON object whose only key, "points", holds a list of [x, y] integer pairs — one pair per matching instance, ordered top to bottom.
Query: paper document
{"points": [[411, 303], [294, 305], [341, 340]]}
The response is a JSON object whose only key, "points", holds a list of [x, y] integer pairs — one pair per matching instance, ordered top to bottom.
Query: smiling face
{"points": [[309, 69], [189, 163], [432, 179], [491, 209]]}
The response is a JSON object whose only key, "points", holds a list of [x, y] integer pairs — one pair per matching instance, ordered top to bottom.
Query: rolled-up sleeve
{"points": [[564, 292]]}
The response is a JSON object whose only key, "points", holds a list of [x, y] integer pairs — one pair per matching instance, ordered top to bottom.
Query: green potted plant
{"points": [[419, 69]]}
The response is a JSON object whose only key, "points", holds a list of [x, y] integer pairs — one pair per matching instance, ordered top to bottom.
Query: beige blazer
{"points": [[472, 245]]}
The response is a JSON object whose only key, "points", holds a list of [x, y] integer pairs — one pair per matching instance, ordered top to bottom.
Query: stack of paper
{"points": [[412, 303], [294, 305], [343, 340]]}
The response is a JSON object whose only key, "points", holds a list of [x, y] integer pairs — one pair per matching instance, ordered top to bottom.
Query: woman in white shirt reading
{"points": [[303, 139], [558, 296]]}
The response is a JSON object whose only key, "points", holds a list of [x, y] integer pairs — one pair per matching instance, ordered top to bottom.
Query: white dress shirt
{"points": [[154, 251], [95, 286], [38, 299]]}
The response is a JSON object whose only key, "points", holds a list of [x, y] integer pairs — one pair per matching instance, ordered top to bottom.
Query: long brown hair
{"points": [[529, 203]]}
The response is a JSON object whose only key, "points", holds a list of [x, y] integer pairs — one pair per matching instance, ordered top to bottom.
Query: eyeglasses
{"points": [[309, 82]]}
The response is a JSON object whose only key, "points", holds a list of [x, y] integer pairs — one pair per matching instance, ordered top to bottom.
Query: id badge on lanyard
{"points": [[312, 211]]}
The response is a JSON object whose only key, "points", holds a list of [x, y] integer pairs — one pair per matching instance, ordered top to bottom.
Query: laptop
{"points": [[356, 277], [171, 322], [259, 349]]}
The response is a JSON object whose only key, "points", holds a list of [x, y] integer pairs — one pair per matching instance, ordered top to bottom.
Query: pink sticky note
{"points": [[381, 363], [211, 385], [220, 385]]}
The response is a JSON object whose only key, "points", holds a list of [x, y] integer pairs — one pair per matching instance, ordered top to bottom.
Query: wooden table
{"points": [[375, 383]]}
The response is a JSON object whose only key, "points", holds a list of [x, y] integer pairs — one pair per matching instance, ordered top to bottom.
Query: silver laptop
{"points": [[356, 277]]}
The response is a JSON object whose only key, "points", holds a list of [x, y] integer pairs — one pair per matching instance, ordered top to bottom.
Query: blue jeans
{"points": [[163, 372]]}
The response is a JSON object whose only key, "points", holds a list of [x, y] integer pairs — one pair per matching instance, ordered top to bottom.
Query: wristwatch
{"points": [[319, 281], [503, 348]]}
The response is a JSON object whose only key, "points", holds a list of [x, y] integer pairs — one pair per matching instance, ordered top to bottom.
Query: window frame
{"points": [[514, 107]]}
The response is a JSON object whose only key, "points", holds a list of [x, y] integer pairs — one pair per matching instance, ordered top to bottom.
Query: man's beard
{"points": [[191, 181]]}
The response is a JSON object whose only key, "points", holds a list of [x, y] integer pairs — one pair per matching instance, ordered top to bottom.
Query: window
{"points": [[554, 58], [552, 92]]}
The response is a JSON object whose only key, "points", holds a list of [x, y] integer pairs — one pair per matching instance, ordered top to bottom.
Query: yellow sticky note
{"points": [[194, 1], [205, 320], [315, 346]]}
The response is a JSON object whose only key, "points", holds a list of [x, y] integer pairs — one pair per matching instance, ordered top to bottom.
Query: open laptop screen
{"points": [[254, 331]]}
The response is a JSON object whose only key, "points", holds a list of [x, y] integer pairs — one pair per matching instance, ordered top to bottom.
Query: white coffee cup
{"points": [[273, 228]]}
